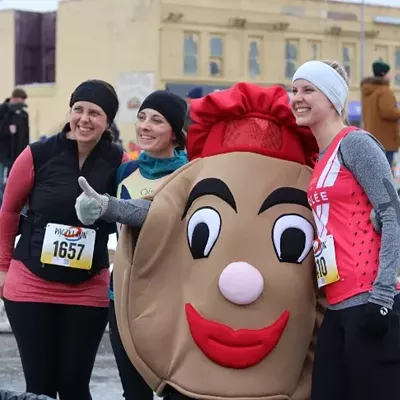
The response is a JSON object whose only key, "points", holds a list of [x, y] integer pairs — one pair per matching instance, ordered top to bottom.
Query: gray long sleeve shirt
{"points": [[365, 158], [127, 212]]}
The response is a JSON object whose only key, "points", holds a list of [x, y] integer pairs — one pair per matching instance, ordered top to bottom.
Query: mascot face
{"points": [[226, 281], [215, 295]]}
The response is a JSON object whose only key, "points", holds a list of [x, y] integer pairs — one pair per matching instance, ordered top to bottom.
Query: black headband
{"points": [[98, 93], [171, 106]]}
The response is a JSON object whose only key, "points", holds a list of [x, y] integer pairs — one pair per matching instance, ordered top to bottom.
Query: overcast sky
{"points": [[47, 5]]}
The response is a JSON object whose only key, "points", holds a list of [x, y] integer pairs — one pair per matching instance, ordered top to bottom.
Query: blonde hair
{"points": [[342, 72]]}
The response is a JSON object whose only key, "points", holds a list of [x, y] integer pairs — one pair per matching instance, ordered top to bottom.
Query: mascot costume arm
{"points": [[90, 206]]}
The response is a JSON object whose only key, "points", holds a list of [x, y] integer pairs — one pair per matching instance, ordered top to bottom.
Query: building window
{"points": [[293, 10], [342, 16], [35, 47], [315, 50], [190, 53], [216, 55], [254, 57], [291, 57], [348, 59], [397, 67]]}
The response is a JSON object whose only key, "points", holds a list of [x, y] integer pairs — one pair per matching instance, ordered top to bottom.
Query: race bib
{"points": [[68, 246], [325, 261]]}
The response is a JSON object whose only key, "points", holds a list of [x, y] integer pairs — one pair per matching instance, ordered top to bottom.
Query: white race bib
{"points": [[68, 246], [325, 261]]}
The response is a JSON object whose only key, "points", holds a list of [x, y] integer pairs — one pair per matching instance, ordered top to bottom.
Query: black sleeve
{"points": [[5, 116]]}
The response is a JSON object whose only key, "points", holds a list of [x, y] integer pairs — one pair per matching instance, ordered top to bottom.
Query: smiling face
{"points": [[309, 105], [88, 122], [154, 134], [233, 273]]}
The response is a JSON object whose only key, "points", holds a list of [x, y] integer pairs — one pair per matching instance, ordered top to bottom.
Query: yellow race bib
{"points": [[68, 246], [325, 261]]}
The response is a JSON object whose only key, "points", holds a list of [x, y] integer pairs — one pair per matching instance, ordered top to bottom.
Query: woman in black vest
{"points": [[55, 283]]}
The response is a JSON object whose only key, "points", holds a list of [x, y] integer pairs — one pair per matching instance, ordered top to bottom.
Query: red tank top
{"points": [[342, 209]]}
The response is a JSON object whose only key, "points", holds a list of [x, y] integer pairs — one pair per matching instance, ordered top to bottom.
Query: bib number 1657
{"points": [[72, 251]]}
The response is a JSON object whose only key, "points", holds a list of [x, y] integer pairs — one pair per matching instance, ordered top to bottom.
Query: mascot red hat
{"points": [[250, 118]]}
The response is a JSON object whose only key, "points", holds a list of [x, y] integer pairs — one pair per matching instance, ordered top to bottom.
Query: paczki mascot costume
{"points": [[216, 293]]}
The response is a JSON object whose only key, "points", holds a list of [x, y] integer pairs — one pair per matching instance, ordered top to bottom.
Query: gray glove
{"points": [[90, 206]]}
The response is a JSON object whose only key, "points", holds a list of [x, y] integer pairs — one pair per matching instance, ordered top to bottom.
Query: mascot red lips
{"points": [[234, 349]]}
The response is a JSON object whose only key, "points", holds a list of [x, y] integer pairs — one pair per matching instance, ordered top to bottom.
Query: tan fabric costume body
{"points": [[215, 295]]}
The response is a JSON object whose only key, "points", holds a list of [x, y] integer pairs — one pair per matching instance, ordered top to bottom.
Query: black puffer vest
{"points": [[53, 197]]}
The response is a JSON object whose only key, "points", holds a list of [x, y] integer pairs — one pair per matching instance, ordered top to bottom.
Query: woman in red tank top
{"points": [[358, 350]]}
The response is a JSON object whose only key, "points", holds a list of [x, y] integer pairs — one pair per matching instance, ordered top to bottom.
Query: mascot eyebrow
{"points": [[210, 187], [216, 187], [285, 195]]}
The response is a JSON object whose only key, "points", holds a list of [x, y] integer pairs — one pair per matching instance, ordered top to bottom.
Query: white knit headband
{"points": [[327, 80]]}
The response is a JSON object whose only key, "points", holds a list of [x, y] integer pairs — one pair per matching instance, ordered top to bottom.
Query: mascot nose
{"points": [[241, 283]]}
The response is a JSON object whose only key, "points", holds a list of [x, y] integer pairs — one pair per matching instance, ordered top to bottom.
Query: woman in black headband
{"points": [[159, 132], [55, 283]]}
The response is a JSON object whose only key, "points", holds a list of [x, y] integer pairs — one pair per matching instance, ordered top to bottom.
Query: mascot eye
{"points": [[203, 230], [292, 236]]}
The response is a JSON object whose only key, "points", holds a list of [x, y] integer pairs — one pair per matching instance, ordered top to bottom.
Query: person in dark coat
{"points": [[195, 93], [380, 112], [14, 132]]}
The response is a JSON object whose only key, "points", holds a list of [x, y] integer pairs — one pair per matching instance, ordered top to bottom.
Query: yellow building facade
{"points": [[143, 45]]}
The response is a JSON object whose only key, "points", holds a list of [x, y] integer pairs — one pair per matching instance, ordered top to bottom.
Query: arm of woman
{"points": [[364, 156], [19, 185], [90, 206], [132, 212]]}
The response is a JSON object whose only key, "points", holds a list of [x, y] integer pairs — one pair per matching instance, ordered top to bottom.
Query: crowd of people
{"points": [[80, 186]]}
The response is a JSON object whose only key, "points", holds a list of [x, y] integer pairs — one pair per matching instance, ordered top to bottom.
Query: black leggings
{"points": [[57, 346], [350, 364], [134, 386]]}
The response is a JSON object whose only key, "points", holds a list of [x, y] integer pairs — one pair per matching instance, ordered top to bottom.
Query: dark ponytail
{"points": [[180, 141]]}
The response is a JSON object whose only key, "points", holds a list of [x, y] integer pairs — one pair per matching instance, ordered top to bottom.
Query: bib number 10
{"points": [[72, 251], [322, 270]]}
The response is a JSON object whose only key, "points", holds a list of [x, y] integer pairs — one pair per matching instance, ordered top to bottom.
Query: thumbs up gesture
{"points": [[90, 205]]}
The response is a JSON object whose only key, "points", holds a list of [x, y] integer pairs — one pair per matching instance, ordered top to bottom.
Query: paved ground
{"points": [[105, 382]]}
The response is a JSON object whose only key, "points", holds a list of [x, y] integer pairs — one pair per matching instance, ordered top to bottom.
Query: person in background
{"points": [[195, 93], [380, 113], [14, 132], [159, 135], [133, 150], [55, 283], [358, 346]]}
